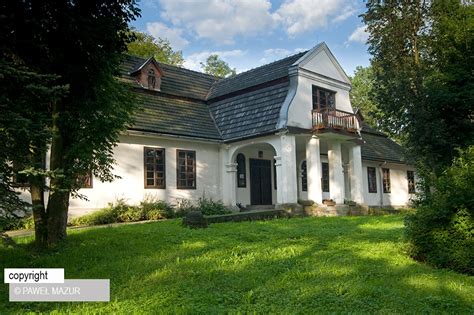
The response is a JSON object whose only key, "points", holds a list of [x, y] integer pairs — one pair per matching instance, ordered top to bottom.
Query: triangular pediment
{"points": [[320, 60]]}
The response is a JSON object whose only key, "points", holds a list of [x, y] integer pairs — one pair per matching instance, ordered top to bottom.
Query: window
{"points": [[151, 79], [323, 98], [186, 171], [241, 171], [155, 176], [304, 176], [325, 178], [372, 179], [85, 180], [386, 180], [411, 182]]}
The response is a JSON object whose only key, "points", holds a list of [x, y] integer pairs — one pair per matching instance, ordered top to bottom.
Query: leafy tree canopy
{"points": [[146, 46], [422, 64], [217, 67], [59, 94], [361, 95]]}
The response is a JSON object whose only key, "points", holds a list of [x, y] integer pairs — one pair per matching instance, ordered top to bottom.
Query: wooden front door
{"points": [[260, 182]]}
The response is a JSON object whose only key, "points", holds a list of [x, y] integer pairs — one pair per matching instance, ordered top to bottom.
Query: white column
{"points": [[355, 162], [313, 166], [336, 173], [228, 177], [287, 185]]}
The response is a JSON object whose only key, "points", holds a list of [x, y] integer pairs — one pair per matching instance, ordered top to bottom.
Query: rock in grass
{"points": [[195, 220]]}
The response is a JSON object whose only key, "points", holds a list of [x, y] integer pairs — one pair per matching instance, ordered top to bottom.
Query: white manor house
{"points": [[273, 135]]}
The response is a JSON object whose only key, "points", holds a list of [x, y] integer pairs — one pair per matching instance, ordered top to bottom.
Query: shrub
{"points": [[183, 207], [210, 207], [155, 209], [120, 211], [195, 220], [441, 230]]}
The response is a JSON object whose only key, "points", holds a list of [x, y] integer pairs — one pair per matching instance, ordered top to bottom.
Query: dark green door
{"points": [[260, 182]]}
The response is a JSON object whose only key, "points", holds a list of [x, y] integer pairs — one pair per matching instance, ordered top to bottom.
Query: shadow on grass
{"points": [[351, 264]]}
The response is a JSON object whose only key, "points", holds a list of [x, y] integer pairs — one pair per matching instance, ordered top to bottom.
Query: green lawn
{"points": [[305, 265]]}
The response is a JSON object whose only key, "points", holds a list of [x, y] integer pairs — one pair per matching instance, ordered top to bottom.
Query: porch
{"points": [[284, 168]]}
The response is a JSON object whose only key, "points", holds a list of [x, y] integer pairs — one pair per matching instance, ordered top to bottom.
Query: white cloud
{"points": [[299, 16], [219, 20], [174, 35], [359, 35], [193, 61]]}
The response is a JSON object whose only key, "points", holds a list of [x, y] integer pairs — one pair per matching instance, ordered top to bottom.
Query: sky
{"points": [[250, 33]]}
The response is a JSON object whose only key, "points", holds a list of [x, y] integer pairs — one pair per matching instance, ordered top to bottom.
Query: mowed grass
{"points": [[304, 265]]}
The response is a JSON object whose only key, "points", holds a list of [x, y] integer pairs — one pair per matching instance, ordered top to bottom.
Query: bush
{"points": [[183, 207], [211, 207], [149, 209], [155, 209], [441, 230]]}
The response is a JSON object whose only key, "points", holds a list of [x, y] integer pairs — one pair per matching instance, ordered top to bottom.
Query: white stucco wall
{"points": [[318, 71], [130, 167], [398, 195]]}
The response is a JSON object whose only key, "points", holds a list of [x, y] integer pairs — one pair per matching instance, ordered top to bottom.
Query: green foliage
{"points": [[147, 46], [422, 64], [217, 67], [361, 95], [80, 108], [184, 206], [207, 206], [156, 209], [120, 211], [441, 231], [336, 265]]}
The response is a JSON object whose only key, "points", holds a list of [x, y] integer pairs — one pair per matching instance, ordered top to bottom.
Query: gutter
{"points": [[148, 134]]}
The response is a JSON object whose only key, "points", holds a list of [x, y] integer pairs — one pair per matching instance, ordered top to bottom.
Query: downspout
{"points": [[381, 182]]}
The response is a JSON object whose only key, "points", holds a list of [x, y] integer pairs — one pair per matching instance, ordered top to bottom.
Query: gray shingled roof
{"points": [[253, 77], [176, 80], [194, 104], [161, 113], [251, 113], [379, 147]]}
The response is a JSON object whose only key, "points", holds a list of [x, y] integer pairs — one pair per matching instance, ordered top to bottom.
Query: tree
{"points": [[146, 46], [422, 62], [217, 67], [361, 94], [81, 108]]}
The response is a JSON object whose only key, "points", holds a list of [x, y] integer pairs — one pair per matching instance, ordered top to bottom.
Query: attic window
{"points": [[151, 79]]}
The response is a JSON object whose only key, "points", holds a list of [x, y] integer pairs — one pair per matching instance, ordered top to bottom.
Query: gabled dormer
{"points": [[148, 74]]}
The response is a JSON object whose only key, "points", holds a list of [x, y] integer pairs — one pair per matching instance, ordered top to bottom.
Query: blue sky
{"points": [[249, 33]]}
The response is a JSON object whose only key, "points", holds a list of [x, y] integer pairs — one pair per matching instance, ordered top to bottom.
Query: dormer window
{"points": [[151, 79]]}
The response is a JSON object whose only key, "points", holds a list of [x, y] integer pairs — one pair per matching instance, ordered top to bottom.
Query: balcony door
{"points": [[323, 99]]}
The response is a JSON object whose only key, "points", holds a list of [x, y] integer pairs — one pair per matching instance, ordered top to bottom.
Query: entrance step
{"points": [[259, 207]]}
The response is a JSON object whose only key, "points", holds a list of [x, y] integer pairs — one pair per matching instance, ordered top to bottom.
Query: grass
{"points": [[306, 265]]}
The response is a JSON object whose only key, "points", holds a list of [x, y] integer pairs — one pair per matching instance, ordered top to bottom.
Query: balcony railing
{"points": [[330, 118]]}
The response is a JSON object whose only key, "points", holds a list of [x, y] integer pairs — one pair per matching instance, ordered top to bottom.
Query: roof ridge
{"points": [[168, 65], [264, 65]]}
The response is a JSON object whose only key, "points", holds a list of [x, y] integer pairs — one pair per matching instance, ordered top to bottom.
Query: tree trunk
{"points": [[58, 202], [58, 205], [39, 215]]}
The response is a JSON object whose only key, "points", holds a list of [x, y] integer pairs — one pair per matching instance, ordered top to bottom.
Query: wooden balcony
{"points": [[330, 119]]}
